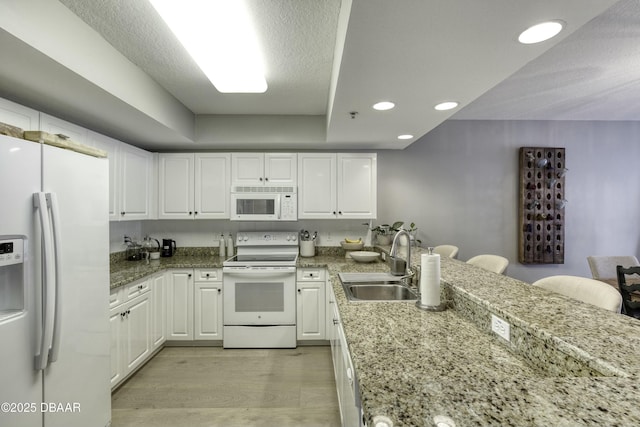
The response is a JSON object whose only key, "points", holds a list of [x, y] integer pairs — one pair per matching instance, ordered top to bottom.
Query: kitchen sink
{"points": [[375, 287]]}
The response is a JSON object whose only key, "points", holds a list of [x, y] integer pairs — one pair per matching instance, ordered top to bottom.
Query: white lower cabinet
{"points": [[194, 304], [180, 305], [208, 305], [158, 310], [310, 313], [130, 318], [346, 382]]}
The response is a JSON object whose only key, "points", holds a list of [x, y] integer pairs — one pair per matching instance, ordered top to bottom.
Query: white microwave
{"points": [[264, 204]]}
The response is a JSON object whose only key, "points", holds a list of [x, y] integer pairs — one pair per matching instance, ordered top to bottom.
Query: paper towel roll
{"points": [[430, 280]]}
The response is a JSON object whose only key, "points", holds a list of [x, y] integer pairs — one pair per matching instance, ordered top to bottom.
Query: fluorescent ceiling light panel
{"points": [[541, 32], [219, 36], [405, 136]]}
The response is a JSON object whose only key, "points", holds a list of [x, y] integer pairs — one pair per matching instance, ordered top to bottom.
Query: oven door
{"points": [[255, 207], [259, 295]]}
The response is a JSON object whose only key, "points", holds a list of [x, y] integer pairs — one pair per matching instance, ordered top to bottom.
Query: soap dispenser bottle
{"points": [[222, 245], [230, 246]]}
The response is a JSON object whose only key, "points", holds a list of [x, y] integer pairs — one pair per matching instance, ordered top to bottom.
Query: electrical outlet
{"points": [[329, 238], [501, 327]]}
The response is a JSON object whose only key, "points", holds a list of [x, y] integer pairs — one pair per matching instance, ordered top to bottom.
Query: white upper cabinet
{"points": [[17, 115], [56, 126], [112, 147], [263, 169], [280, 169], [136, 170], [130, 178], [212, 185], [317, 185], [337, 185], [357, 185], [175, 186], [194, 186], [131, 194]]}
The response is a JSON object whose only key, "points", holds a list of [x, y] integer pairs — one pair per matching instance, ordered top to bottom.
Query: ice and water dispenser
{"points": [[13, 275]]}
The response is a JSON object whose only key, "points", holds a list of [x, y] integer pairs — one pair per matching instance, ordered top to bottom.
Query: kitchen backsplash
{"points": [[206, 233], [212, 251]]}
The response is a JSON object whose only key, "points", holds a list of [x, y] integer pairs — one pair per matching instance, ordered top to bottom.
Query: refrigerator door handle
{"points": [[52, 201], [48, 282]]}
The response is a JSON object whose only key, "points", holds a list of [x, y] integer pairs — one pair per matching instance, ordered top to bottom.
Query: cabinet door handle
{"points": [[260, 178], [266, 179], [340, 212], [122, 213], [190, 213], [195, 213], [189, 275], [207, 275], [140, 287], [219, 290], [299, 291], [336, 321]]}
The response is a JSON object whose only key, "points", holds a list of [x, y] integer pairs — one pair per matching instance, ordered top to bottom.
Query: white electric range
{"points": [[260, 291]]}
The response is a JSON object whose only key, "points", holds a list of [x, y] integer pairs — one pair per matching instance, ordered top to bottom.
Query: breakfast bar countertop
{"points": [[567, 364]]}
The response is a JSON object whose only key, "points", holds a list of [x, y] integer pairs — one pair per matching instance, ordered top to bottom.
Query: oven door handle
{"points": [[258, 272]]}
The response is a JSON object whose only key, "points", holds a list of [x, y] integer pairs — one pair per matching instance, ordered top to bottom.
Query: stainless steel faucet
{"points": [[393, 249]]}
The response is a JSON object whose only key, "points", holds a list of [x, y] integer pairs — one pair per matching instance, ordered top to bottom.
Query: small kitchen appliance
{"points": [[168, 247], [259, 291]]}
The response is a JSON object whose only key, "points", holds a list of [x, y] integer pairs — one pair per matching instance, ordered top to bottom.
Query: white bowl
{"points": [[364, 256]]}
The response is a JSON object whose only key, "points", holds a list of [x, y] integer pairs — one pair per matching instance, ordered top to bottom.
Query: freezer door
{"points": [[76, 382], [20, 383]]}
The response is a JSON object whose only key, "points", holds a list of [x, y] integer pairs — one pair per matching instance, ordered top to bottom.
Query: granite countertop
{"points": [[124, 272], [567, 364]]}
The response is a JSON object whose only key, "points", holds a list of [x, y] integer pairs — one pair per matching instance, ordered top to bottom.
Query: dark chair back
{"points": [[630, 292]]}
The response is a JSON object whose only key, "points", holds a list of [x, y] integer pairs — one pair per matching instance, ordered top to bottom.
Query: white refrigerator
{"points": [[54, 287]]}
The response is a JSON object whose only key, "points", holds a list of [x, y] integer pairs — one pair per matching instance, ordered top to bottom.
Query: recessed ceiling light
{"points": [[540, 32], [221, 39], [384, 105], [449, 105], [405, 136]]}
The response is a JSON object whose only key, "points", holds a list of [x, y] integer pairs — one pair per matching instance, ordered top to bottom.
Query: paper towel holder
{"points": [[425, 307], [432, 308]]}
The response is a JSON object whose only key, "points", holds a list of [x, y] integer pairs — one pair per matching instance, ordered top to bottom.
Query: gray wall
{"points": [[459, 183]]}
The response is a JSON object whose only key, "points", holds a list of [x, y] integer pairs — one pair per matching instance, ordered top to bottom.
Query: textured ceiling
{"points": [[298, 37], [127, 77]]}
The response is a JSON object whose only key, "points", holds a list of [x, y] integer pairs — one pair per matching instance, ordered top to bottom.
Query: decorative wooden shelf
{"points": [[542, 205]]}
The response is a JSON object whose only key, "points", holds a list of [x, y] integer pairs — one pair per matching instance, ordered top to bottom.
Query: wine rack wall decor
{"points": [[542, 205]]}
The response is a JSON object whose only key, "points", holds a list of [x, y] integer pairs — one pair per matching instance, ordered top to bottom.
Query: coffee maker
{"points": [[168, 247]]}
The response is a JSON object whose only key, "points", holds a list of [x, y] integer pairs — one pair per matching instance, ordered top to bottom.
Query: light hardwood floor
{"points": [[209, 386]]}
